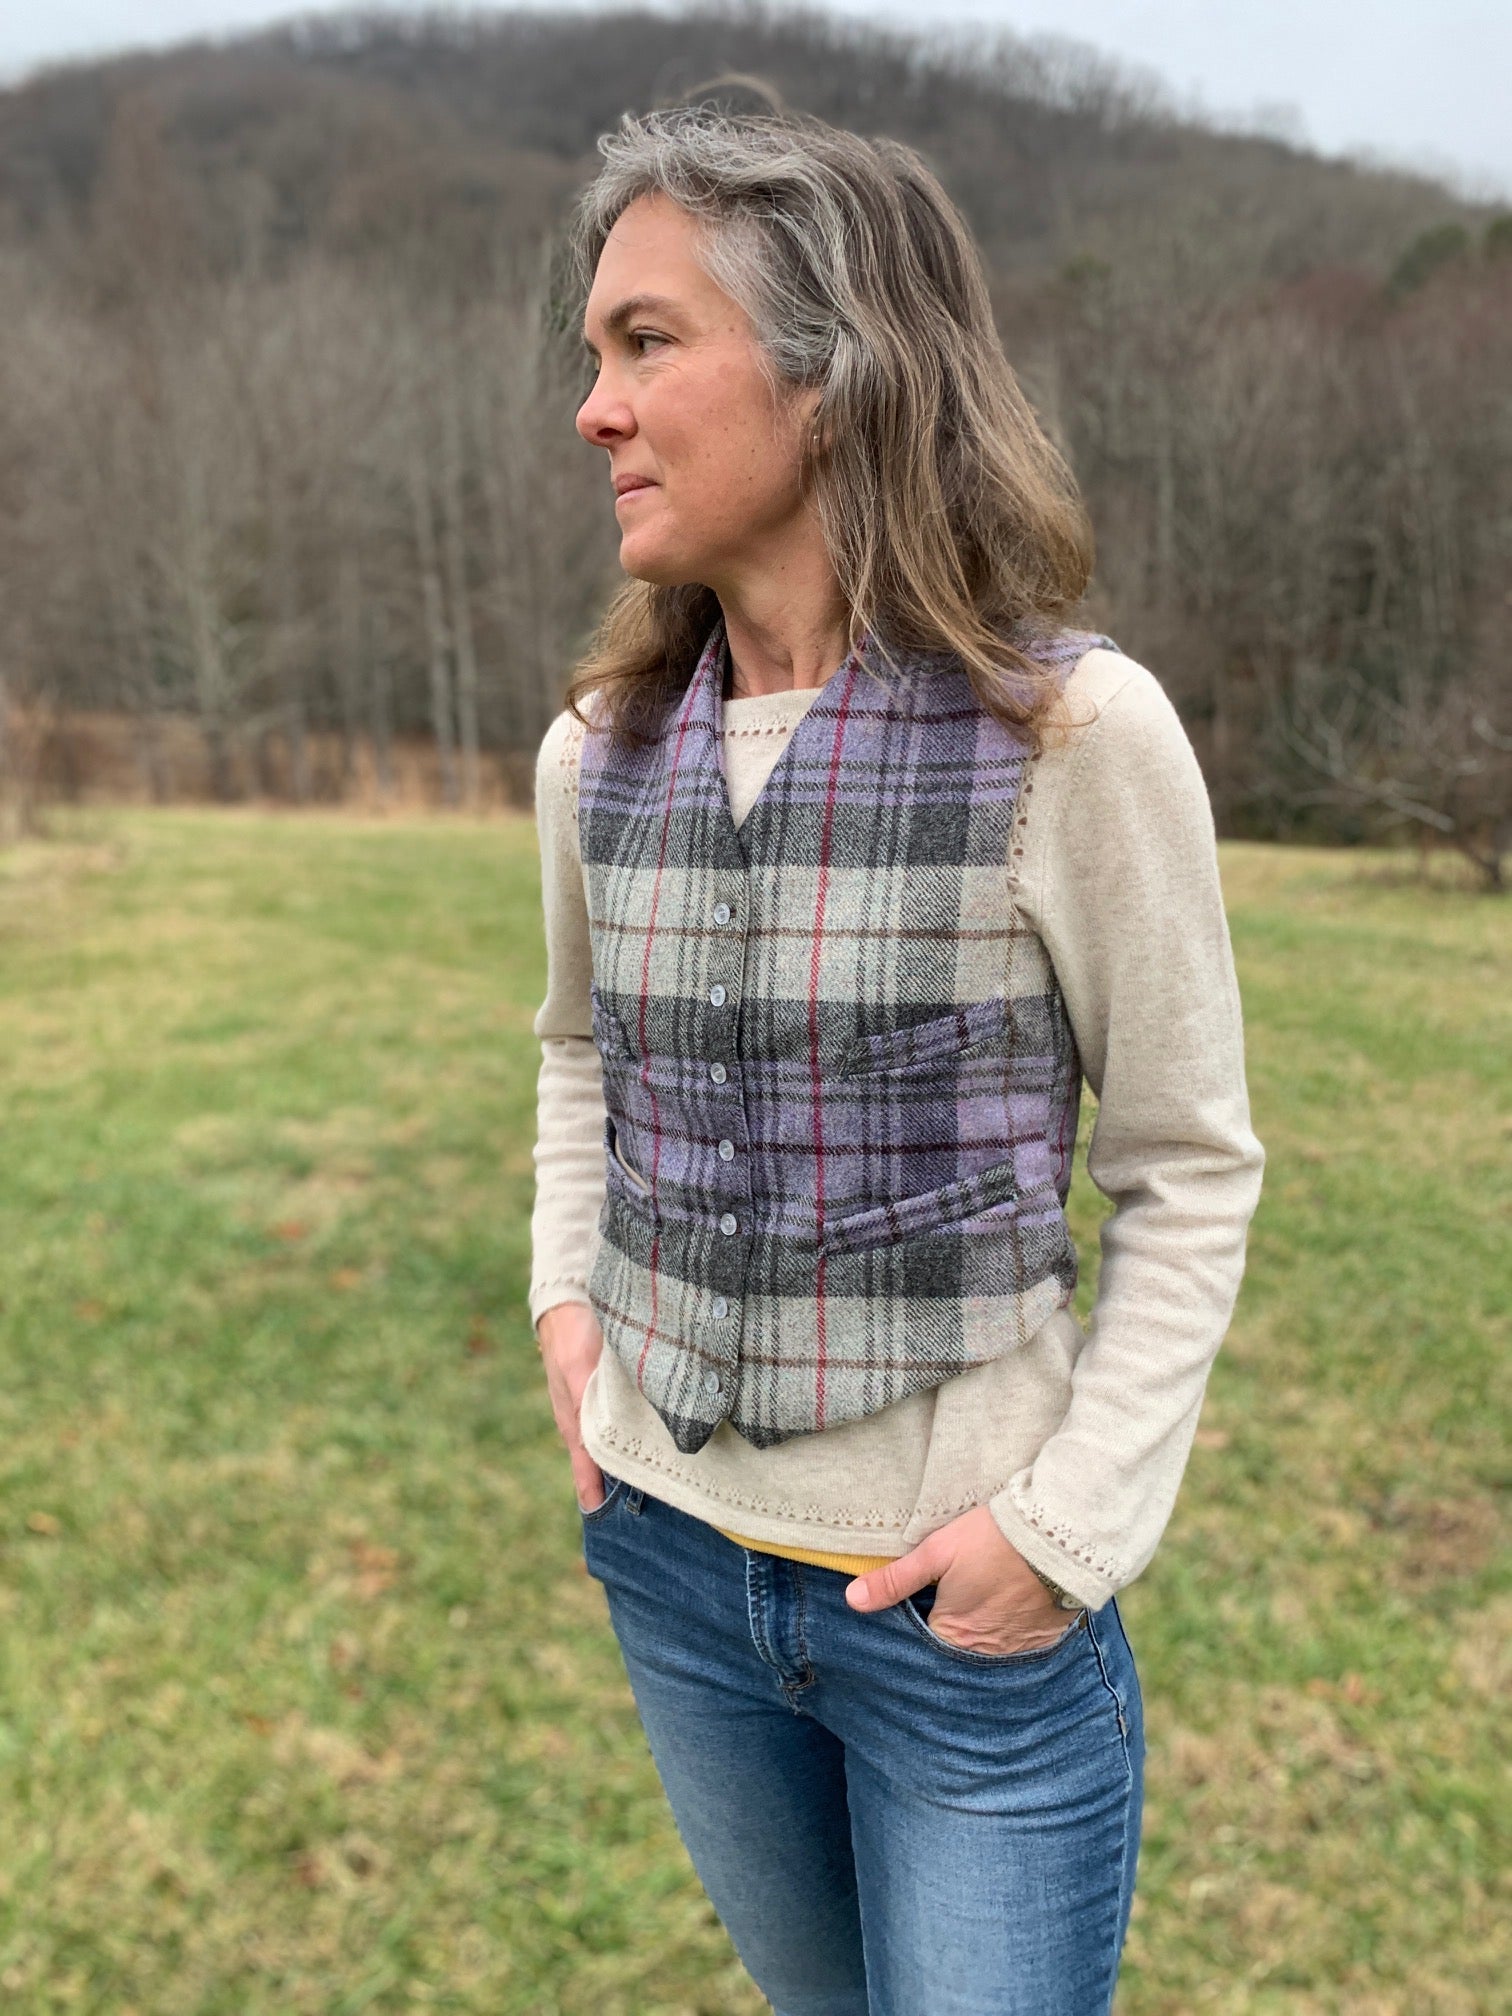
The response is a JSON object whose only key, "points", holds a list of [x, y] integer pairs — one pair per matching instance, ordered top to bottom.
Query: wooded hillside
{"points": [[286, 440]]}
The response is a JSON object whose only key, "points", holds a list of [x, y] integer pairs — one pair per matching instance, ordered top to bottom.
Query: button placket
{"points": [[727, 953]]}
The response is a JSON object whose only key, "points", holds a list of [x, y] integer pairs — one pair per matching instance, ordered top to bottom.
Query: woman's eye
{"points": [[593, 365]]}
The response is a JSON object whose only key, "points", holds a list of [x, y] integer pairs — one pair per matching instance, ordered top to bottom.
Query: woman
{"points": [[856, 859]]}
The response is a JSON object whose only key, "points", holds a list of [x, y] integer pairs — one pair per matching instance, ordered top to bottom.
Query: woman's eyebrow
{"points": [[631, 306]]}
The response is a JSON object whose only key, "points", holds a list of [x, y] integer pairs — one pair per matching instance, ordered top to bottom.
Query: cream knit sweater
{"points": [[1078, 1441]]}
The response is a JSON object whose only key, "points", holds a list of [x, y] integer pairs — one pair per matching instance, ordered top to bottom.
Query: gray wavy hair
{"points": [[950, 517]]}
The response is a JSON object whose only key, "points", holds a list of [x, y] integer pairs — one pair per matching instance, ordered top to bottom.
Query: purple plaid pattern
{"points": [[837, 1143]]}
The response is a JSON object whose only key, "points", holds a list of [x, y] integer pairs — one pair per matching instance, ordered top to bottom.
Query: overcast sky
{"points": [[1423, 84]]}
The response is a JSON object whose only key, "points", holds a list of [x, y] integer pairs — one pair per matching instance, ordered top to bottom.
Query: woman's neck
{"points": [[782, 634], [805, 672], [782, 701]]}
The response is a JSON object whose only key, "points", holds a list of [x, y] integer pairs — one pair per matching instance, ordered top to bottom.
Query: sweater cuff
{"points": [[547, 1294], [1086, 1584]]}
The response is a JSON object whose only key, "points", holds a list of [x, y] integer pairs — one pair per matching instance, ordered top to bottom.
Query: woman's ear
{"points": [[810, 427]]}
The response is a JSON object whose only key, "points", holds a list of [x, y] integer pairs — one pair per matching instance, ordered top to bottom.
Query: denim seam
{"points": [[757, 1584], [801, 1625], [1102, 1666], [1121, 1708]]}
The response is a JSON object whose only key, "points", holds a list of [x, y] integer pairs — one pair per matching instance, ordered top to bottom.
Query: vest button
{"points": [[721, 913], [717, 995], [718, 1073], [727, 1151], [728, 1223], [720, 1306], [711, 1382]]}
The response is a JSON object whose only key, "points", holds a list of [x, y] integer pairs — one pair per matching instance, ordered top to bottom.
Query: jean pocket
{"points": [[613, 1487], [1033, 1655]]}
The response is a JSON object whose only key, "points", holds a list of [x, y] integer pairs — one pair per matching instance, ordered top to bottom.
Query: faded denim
{"points": [[887, 1824]]}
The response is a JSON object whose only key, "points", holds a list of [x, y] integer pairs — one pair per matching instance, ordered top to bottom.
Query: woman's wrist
{"points": [[1064, 1600]]}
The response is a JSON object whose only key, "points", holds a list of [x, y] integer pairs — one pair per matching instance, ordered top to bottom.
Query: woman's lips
{"points": [[635, 490]]}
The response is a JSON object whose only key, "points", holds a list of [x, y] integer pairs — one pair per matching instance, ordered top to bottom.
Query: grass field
{"points": [[306, 1704]]}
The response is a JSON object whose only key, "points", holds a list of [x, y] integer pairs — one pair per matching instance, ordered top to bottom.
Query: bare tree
{"points": [[286, 440]]}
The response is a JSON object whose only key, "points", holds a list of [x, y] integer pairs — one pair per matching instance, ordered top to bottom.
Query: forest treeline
{"points": [[286, 399]]}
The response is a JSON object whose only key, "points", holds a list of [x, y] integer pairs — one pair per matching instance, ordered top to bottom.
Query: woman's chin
{"points": [[646, 562]]}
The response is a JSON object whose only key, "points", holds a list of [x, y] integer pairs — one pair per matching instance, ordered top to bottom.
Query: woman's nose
{"points": [[603, 418]]}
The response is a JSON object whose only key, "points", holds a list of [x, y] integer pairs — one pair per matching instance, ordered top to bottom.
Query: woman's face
{"points": [[679, 401]]}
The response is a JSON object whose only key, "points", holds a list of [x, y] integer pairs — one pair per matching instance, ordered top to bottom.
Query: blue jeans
{"points": [[886, 1823]]}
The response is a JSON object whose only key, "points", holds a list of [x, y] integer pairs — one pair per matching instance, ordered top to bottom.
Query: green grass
{"points": [[306, 1703]]}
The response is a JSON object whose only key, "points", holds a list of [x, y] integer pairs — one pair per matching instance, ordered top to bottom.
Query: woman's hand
{"points": [[571, 1344], [989, 1599]]}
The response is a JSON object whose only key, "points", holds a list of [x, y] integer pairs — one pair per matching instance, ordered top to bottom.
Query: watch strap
{"points": [[1063, 1598]]}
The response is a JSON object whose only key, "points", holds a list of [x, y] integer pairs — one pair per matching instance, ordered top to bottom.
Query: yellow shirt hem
{"points": [[847, 1564]]}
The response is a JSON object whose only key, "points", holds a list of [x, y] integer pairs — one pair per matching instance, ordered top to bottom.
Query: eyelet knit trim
{"points": [[569, 759], [1018, 839], [873, 1519], [1060, 1536]]}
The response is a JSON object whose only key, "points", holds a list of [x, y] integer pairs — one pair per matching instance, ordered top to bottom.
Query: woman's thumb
{"points": [[892, 1581]]}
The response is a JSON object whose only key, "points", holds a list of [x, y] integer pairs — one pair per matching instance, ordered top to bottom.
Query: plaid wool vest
{"points": [[838, 1138]]}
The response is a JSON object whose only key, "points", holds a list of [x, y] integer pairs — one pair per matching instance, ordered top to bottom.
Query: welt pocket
{"points": [[928, 1042], [612, 1142], [939, 1210]]}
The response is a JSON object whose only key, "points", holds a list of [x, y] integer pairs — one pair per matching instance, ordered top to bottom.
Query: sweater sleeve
{"points": [[1124, 890], [569, 1147]]}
